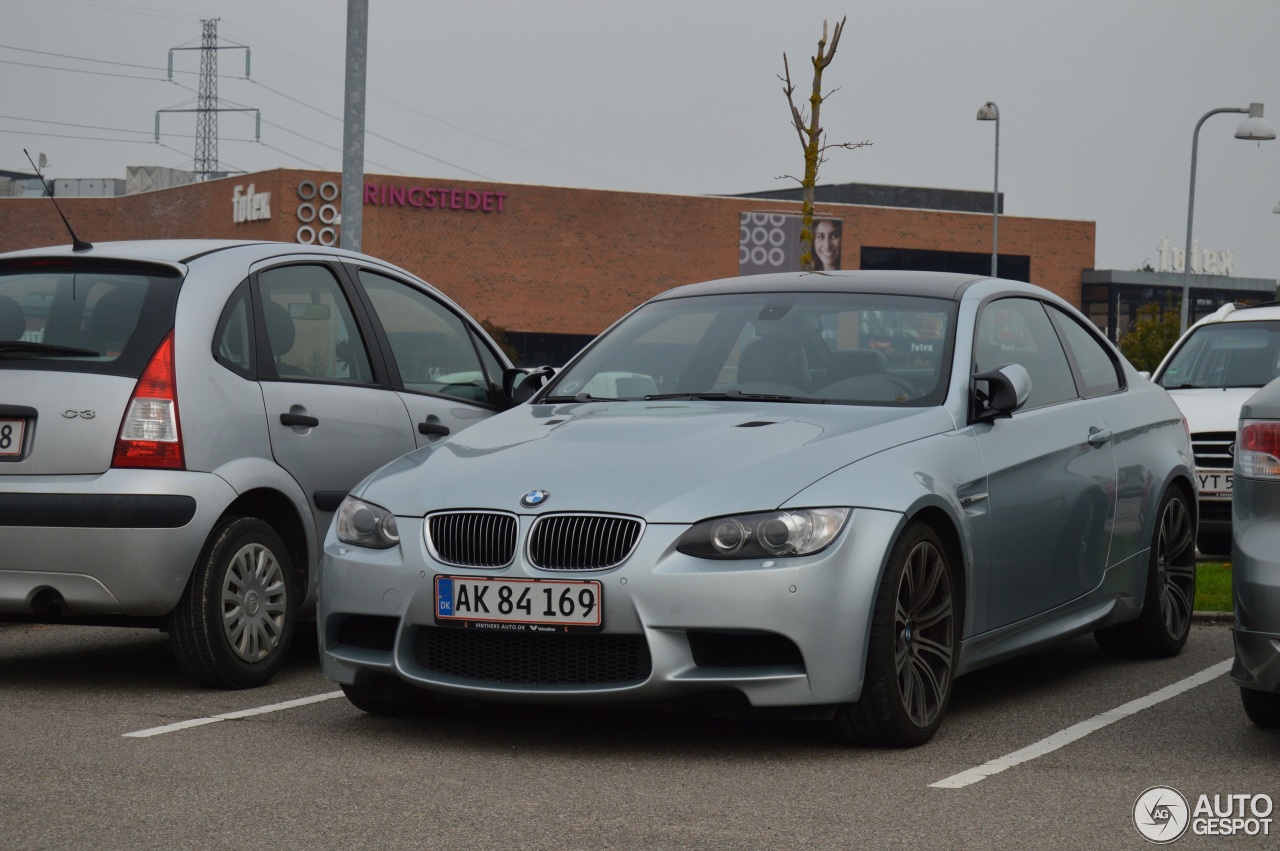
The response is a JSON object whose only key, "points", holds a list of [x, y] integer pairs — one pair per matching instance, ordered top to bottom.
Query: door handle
{"points": [[299, 420], [433, 428], [1098, 436]]}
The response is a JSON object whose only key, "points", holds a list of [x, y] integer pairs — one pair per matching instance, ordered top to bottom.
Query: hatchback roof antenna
{"points": [[77, 244]]}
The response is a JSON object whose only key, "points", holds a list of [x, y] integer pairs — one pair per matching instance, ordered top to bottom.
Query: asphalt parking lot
{"points": [[105, 745]]}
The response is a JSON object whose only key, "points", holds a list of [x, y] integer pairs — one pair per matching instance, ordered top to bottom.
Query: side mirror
{"points": [[519, 385], [999, 393]]}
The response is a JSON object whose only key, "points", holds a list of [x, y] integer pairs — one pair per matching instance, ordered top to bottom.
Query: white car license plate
{"points": [[11, 432], [1215, 482], [518, 604]]}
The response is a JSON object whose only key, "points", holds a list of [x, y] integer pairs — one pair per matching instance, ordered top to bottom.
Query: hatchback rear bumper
{"points": [[120, 543]]}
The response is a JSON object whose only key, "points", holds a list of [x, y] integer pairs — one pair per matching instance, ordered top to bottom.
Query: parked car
{"points": [[1218, 364], [181, 419], [821, 495], [1255, 567]]}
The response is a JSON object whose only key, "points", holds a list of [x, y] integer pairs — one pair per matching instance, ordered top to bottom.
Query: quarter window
{"points": [[232, 349], [1099, 374]]}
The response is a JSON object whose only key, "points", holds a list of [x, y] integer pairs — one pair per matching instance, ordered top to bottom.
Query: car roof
{"points": [[176, 250], [948, 285], [1240, 313]]}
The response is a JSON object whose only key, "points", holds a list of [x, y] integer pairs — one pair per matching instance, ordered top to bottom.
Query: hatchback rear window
{"points": [[80, 317]]}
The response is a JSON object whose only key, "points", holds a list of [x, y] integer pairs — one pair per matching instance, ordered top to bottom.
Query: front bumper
{"points": [[120, 543], [374, 606]]}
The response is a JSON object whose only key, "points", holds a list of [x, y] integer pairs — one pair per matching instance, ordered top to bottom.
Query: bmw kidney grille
{"points": [[556, 541]]}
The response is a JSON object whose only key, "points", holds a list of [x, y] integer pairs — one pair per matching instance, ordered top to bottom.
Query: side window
{"points": [[309, 326], [1017, 330], [232, 341], [432, 347], [1099, 374]]}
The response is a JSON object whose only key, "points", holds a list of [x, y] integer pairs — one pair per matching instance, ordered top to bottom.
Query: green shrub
{"points": [[1151, 336]]}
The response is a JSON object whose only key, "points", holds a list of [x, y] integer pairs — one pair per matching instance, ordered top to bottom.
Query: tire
{"points": [[1214, 543], [235, 622], [1161, 630], [911, 654], [391, 697], [1262, 707]]}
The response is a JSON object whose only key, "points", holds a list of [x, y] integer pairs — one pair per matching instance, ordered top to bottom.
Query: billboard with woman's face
{"points": [[770, 242]]}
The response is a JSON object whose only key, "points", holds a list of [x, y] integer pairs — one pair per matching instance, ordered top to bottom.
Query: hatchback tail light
{"points": [[150, 435], [1258, 449]]}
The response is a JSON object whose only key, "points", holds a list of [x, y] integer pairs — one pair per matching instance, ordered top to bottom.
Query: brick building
{"points": [[554, 265]]}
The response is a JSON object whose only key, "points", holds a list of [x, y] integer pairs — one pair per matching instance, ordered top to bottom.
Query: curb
{"points": [[1214, 617]]}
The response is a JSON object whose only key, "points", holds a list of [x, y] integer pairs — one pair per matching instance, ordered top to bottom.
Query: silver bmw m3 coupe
{"points": [[819, 496]]}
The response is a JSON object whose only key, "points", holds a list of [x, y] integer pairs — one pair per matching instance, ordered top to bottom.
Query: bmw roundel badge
{"points": [[534, 498]]}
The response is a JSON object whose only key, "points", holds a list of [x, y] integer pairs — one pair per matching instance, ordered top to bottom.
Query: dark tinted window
{"points": [[84, 318], [1017, 330], [311, 331], [233, 338], [432, 346]]}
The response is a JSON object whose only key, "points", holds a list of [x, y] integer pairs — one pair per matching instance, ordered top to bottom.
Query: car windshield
{"points": [[82, 316], [850, 348], [1226, 354]]}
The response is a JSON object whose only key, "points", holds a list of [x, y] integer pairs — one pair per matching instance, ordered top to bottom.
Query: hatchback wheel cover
{"points": [[1175, 567], [254, 600], [924, 634]]}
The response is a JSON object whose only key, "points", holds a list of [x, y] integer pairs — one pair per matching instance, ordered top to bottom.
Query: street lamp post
{"points": [[990, 112], [1255, 128]]}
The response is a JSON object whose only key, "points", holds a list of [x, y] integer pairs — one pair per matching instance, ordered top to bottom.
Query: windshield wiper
{"points": [[22, 347], [736, 395], [584, 397]]}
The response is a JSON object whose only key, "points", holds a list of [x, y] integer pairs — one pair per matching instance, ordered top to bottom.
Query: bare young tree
{"points": [[811, 133]]}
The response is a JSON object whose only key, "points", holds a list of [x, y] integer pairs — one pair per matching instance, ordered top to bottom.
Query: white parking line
{"points": [[231, 716], [1079, 731]]}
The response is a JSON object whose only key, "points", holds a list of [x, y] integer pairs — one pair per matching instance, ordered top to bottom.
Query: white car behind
{"points": [[1219, 363]]}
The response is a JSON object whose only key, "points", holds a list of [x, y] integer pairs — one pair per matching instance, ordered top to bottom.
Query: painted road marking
{"points": [[231, 716], [1079, 731]]}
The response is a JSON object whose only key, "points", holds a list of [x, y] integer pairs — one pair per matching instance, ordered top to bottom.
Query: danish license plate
{"points": [[11, 432], [1215, 481], [529, 605]]}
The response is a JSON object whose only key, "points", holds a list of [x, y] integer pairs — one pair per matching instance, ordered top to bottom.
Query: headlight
{"points": [[366, 525], [769, 534]]}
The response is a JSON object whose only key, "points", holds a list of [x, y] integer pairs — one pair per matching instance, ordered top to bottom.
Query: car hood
{"points": [[1212, 409], [672, 462]]}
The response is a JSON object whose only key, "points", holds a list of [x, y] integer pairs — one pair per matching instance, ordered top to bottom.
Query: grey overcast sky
{"points": [[1098, 99]]}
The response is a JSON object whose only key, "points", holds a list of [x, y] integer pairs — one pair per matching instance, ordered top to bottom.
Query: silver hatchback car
{"points": [[180, 419], [821, 495]]}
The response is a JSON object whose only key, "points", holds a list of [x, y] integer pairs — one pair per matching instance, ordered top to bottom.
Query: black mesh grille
{"points": [[1214, 449], [1215, 510], [473, 538], [582, 541], [533, 658]]}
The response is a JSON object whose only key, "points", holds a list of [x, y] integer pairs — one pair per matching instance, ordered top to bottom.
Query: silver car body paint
{"points": [[232, 438], [673, 463], [1255, 564]]}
